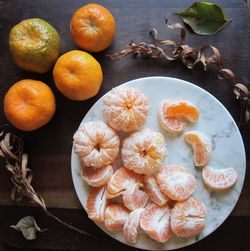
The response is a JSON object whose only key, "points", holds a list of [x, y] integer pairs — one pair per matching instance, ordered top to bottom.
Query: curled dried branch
{"points": [[190, 57], [16, 162]]}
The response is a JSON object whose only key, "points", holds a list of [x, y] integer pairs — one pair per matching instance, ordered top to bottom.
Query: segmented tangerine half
{"points": [[125, 108], [181, 109], [170, 124], [96, 144], [201, 147], [144, 151], [97, 177], [219, 179], [121, 180], [176, 182], [152, 188], [134, 198], [96, 204], [115, 216], [188, 217], [155, 221], [132, 225]]}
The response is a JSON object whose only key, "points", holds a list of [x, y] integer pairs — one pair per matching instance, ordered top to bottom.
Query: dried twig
{"points": [[190, 57], [11, 149]]}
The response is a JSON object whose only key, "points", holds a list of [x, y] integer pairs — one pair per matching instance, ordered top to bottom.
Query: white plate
{"points": [[215, 121]]}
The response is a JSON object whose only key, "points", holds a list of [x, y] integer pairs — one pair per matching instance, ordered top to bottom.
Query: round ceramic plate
{"points": [[227, 150]]}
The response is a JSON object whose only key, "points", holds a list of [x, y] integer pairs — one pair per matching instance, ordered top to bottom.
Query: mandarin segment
{"points": [[125, 108], [180, 109], [170, 124], [96, 144], [201, 146], [144, 151], [97, 177], [219, 179], [121, 180], [175, 182], [152, 188], [134, 198], [96, 204], [115, 216], [188, 217], [155, 221], [132, 225]]}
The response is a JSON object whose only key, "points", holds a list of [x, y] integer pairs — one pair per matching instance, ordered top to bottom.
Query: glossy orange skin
{"points": [[93, 27], [78, 75], [29, 104]]}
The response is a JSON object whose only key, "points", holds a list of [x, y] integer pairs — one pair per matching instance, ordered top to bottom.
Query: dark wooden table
{"points": [[49, 148]]}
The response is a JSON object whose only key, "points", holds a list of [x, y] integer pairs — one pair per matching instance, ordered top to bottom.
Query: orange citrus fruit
{"points": [[93, 27], [34, 45], [77, 75], [29, 104], [125, 108], [96, 144], [201, 147], [144, 151], [97, 177], [219, 179], [121, 180], [176, 182], [152, 188], [134, 198], [96, 204], [115, 216], [188, 217], [155, 221], [132, 225]]}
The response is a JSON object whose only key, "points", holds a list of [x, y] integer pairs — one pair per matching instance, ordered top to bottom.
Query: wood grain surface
{"points": [[49, 148]]}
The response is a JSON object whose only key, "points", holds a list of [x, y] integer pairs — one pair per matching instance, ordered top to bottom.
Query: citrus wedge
{"points": [[201, 147], [97, 177], [219, 179], [121, 180], [175, 182], [152, 188], [134, 198], [96, 204], [115, 216], [188, 217], [155, 221], [132, 225]]}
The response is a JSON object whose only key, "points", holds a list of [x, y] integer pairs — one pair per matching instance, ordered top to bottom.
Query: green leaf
{"points": [[204, 18], [28, 227]]}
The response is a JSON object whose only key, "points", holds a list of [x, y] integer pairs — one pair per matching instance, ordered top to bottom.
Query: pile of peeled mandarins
{"points": [[35, 46], [144, 194]]}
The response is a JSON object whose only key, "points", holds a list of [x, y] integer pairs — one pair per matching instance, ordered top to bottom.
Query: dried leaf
{"points": [[204, 18], [28, 227]]}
